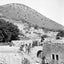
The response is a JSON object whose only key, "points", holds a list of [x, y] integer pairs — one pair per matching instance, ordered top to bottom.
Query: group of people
{"points": [[25, 48]]}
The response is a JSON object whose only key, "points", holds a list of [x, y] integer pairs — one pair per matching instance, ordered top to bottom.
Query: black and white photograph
{"points": [[31, 31]]}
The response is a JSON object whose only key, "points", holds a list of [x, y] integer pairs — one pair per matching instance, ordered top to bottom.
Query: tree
{"points": [[8, 31], [60, 34], [1, 36]]}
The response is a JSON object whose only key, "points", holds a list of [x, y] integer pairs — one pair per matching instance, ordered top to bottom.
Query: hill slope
{"points": [[21, 12]]}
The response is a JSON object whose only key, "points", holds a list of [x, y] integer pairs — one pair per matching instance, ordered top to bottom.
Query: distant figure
{"points": [[21, 48], [29, 48], [43, 60]]}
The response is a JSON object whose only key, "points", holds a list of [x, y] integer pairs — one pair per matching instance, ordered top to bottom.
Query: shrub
{"points": [[25, 61]]}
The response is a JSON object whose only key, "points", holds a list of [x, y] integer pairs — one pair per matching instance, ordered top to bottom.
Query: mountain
{"points": [[20, 12]]}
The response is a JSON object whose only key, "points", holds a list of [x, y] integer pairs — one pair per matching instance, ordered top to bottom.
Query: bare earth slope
{"points": [[19, 12]]}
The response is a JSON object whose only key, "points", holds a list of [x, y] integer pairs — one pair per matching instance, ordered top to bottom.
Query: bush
{"points": [[8, 31], [60, 34], [25, 61]]}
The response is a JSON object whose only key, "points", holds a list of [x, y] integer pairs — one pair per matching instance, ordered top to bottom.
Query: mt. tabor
{"points": [[20, 12]]}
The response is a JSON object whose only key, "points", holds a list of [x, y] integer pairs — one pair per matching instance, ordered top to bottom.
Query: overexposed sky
{"points": [[53, 9]]}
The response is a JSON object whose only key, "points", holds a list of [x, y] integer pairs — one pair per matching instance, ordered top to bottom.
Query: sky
{"points": [[53, 9]]}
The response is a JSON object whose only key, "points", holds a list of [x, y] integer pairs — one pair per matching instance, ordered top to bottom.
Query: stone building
{"points": [[54, 53]]}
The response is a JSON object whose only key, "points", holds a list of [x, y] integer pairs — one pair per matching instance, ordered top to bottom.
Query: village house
{"points": [[54, 53]]}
